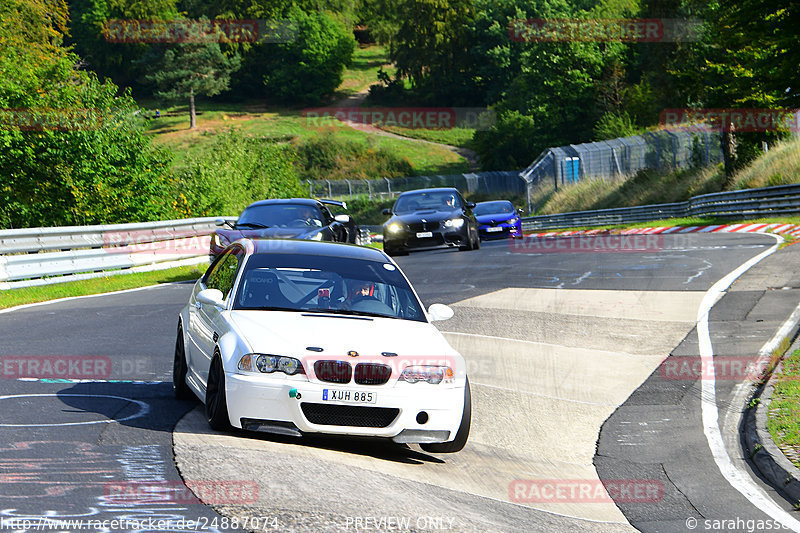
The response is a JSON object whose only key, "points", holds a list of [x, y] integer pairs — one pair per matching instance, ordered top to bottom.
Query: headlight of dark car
{"points": [[454, 223], [394, 228]]}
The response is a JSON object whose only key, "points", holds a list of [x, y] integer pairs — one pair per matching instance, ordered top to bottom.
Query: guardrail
{"points": [[767, 201], [33, 256]]}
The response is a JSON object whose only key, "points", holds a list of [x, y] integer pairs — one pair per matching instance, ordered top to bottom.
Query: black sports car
{"points": [[294, 218], [430, 218]]}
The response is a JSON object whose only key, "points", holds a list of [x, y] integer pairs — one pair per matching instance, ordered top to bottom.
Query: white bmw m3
{"points": [[296, 337]]}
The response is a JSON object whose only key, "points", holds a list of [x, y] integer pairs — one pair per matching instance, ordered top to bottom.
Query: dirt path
{"points": [[356, 99]]}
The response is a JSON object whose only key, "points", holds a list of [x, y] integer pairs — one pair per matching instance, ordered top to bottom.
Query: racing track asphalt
{"points": [[333, 479]]}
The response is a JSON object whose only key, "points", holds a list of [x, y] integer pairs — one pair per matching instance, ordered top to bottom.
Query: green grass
{"points": [[363, 70], [287, 124], [461, 137], [779, 166], [27, 295], [782, 422]]}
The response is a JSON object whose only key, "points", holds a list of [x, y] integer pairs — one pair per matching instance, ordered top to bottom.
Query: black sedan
{"points": [[294, 218], [430, 218]]}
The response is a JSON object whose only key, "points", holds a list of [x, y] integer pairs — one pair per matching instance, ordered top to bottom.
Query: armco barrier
{"points": [[764, 202], [32, 256]]}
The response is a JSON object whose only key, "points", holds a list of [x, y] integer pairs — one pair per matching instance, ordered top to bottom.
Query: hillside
{"points": [[781, 165]]}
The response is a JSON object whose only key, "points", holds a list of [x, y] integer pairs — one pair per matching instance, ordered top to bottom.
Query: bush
{"points": [[613, 125], [511, 143], [328, 156], [234, 172], [95, 173]]}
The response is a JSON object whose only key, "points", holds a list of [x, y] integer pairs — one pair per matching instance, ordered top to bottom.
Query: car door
{"points": [[206, 324]]}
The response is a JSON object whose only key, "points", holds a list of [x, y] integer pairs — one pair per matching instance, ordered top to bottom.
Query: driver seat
{"points": [[261, 290]]}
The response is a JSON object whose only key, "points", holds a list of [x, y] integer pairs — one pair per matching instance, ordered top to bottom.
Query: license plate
{"points": [[494, 229], [424, 234], [348, 396]]}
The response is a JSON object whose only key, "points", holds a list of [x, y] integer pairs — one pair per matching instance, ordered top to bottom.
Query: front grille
{"points": [[424, 226], [333, 371], [372, 373], [349, 415]]}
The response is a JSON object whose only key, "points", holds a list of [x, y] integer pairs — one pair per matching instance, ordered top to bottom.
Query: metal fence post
{"points": [[349, 188], [369, 188], [330, 192]]}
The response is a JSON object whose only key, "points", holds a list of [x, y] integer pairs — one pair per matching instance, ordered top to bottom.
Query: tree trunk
{"points": [[192, 115]]}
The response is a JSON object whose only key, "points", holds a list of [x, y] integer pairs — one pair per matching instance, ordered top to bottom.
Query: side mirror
{"points": [[470, 205], [387, 211], [519, 211], [342, 219], [220, 222], [211, 297], [438, 312]]}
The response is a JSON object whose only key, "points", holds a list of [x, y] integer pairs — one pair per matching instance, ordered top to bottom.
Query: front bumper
{"points": [[500, 231], [440, 238], [256, 398]]}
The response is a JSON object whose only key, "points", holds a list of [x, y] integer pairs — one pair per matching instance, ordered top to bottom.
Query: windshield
{"points": [[439, 200], [493, 208], [280, 216], [327, 285]]}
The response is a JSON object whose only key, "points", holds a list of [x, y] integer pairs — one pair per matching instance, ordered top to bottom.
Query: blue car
{"points": [[498, 219]]}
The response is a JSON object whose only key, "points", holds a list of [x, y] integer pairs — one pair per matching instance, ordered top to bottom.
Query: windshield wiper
{"points": [[251, 225], [346, 312]]}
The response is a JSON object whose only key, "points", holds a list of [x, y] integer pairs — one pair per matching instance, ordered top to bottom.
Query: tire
{"points": [[470, 243], [477, 245], [393, 252], [180, 369], [216, 403], [457, 444]]}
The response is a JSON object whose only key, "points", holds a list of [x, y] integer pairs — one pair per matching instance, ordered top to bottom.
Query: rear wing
{"points": [[337, 203]]}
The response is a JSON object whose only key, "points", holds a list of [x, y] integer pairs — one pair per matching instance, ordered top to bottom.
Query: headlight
{"points": [[512, 221], [454, 223], [394, 227], [317, 236], [267, 364], [429, 374]]}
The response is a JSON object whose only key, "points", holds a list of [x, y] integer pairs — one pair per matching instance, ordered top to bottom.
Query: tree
{"points": [[309, 68], [191, 69], [87, 159]]}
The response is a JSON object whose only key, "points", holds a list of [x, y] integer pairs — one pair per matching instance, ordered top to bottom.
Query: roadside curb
{"points": [[788, 229], [770, 461]]}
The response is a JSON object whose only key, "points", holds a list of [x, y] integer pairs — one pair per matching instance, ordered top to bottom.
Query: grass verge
{"points": [[28, 295], [783, 423]]}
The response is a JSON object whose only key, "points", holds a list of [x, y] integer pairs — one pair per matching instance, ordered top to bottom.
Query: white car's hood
{"points": [[291, 333]]}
